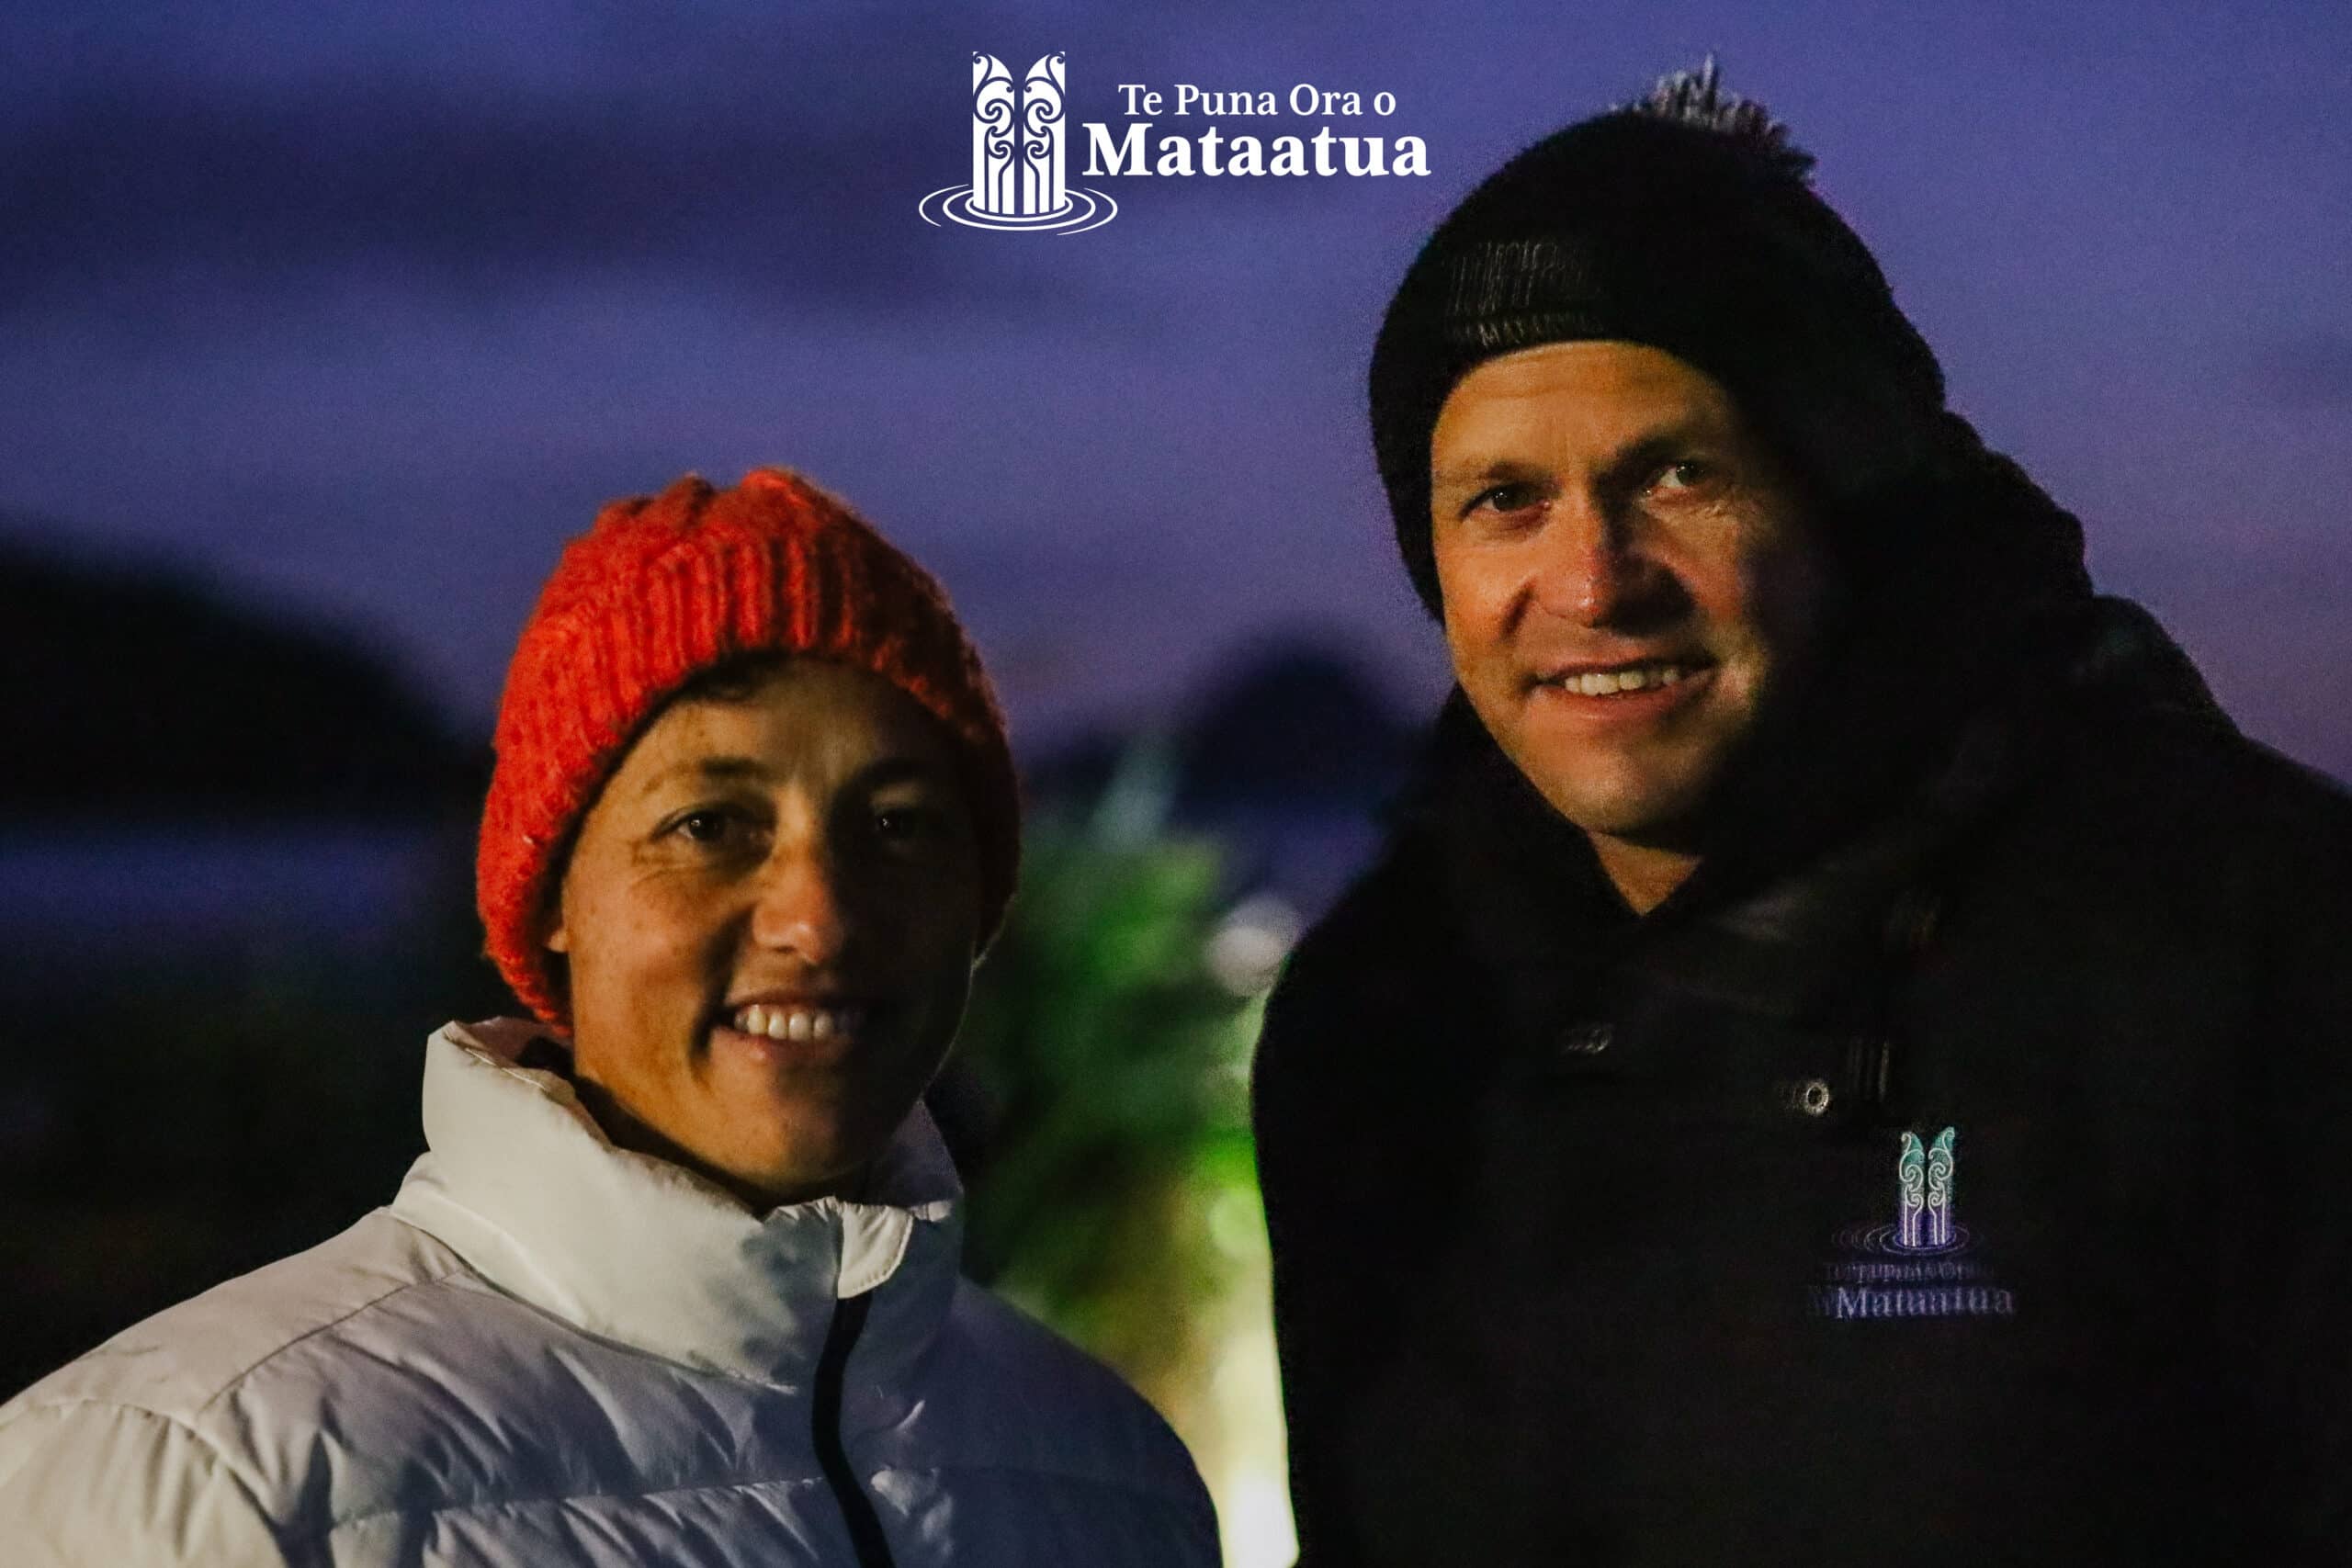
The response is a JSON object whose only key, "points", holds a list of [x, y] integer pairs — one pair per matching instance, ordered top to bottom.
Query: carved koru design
{"points": [[1017, 140], [1041, 142], [993, 186], [1940, 1174], [1910, 1190], [1923, 1191]]}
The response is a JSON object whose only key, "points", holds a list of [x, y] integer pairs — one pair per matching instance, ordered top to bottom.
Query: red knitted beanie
{"points": [[664, 587]]}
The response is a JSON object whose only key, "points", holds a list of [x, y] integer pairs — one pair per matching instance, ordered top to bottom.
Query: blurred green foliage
{"points": [[1116, 1176]]}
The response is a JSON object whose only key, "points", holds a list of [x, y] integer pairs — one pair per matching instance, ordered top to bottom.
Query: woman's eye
{"points": [[901, 823], [704, 827]]}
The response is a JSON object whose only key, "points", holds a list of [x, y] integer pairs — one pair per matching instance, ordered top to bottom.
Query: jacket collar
{"points": [[1787, 925], [529, 1191]]}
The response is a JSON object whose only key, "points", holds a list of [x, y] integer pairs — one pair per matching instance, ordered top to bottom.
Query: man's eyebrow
{"points": [[1642, 457], [1632, 461], [1492, 471]]}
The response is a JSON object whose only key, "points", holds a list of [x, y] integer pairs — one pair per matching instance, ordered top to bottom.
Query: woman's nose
{"points": [[797, 906]]}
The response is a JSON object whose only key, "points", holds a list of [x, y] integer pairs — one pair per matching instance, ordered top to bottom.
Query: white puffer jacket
{"points": [[548, 1350]]}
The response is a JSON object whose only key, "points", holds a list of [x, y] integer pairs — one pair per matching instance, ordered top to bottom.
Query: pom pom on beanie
{"points": [[1684, 221]]}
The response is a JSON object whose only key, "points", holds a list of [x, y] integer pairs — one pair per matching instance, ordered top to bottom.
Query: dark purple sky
{"points": [[360, 311]]}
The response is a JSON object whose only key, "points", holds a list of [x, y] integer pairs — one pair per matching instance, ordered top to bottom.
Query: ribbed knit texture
{"points": [[1706, 243], [664, 587]]}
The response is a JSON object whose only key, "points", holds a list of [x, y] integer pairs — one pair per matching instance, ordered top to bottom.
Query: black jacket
{"points": [[1586, 1228]]}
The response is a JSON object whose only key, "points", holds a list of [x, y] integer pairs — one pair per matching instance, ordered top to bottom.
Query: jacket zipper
{"points": [[857, 1509]]}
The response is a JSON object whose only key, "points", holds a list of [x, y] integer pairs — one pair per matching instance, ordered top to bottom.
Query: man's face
{"points": [[1626, 573], [770, 918]]}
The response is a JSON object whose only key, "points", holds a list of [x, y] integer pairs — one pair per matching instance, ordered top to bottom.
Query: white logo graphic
{"points": [[1017, 159]]}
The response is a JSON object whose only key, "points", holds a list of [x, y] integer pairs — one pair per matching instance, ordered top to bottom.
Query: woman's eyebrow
{"points": [[709, 770], [889, 771], [877, 774]]}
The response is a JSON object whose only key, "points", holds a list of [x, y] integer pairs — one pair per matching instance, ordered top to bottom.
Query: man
{"points": [[1840, 1058]]}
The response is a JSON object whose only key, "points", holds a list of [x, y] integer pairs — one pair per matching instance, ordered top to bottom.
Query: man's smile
{"points": [[1606, 680]]}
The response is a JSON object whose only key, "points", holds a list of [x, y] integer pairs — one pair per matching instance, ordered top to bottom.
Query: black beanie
{"points": [[1685, 222]]}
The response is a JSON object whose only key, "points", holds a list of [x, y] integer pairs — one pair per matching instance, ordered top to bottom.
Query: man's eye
{"points": [[1688, 473], [1516, 496]]}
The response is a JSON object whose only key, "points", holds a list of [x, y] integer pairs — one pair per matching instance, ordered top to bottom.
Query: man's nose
{"points": [[1593, 571], [797, 907]]}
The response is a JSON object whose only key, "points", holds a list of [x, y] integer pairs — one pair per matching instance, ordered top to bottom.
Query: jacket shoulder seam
{"points": [[230, 1385], [213, 1453]]}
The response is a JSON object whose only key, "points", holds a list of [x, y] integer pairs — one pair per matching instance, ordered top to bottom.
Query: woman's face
{"points": [[769, 920]]}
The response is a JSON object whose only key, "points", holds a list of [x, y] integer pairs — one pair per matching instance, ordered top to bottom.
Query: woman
{"points": [[677, 1281]]}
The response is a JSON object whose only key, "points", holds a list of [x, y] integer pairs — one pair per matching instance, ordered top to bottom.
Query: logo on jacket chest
{"points": [[1922, 1265]]}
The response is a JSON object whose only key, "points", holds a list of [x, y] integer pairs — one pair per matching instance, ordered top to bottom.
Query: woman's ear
{"points": [[559, 937]]}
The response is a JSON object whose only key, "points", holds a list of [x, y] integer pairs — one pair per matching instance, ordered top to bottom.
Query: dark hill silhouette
{"points": [[140, 693], [1297, 723], [1286, 724]]}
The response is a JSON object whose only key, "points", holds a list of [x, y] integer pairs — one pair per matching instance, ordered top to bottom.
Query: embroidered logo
{"points": [[1923, 1184], [1921, 1265]]}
